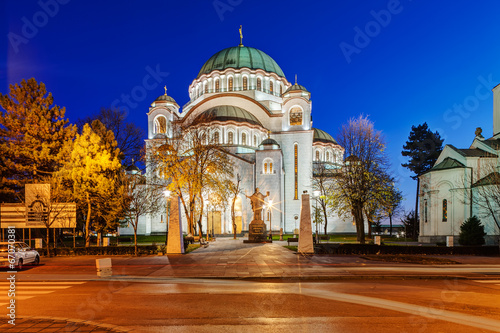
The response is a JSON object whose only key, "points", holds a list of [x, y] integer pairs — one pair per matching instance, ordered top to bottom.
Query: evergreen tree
{"points": [[33, 133], [422, 148], [412, 227], [471, 232]]}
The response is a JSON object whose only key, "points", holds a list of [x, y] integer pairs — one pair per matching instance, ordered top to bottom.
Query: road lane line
{"points": [[487, 281]]}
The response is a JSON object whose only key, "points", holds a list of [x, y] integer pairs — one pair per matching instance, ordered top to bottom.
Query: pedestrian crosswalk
{"points": [[26, 290]]}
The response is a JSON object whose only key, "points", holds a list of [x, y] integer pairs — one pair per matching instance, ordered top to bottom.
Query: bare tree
{"points": [[193, 164], [365, 165], [322, 182], [141, 199]]}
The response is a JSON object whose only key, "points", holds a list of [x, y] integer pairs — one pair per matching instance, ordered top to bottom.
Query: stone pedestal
{"points": [[257, 232], [305, 233], [377, 240], [449, 241], [175, 243]]}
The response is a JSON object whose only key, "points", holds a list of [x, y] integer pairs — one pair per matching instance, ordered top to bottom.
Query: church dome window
{"points": [[230, 83], [245, 83], [259, 84], [217, 85], [271, 87], [206, 88], [296, 116], [160, 125], [216, 138], [230, 138], [244, 139], [255, 140], [317, 155], [328, 156]]}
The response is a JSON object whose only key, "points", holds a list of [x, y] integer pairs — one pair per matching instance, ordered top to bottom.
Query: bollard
{"points": [[281, 234], [378, 240], [105, 241], [449, 241], [103, 267]]}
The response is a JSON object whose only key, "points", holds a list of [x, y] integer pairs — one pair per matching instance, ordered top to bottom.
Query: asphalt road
{"points": [[181, 305]]}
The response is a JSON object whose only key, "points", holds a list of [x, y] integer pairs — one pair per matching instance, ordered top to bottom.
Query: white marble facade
{"points": [[266, 124]]}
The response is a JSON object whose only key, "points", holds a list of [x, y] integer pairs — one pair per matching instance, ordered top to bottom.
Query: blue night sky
{"points": [[426, 61]]}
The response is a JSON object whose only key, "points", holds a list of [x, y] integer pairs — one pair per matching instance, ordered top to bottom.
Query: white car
{"points": [[17, 254]]}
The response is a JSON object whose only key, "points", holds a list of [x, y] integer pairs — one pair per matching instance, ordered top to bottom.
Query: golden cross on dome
{"points": [[241, 35], [295, 78], [165, 89]]}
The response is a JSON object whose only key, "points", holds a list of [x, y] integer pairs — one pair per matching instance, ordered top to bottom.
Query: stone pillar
{"points": [[305, 233], [378, 240], [449, 241], [175, 243]]}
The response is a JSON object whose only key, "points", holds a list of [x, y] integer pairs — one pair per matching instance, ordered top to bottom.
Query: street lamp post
{"points": [[316, 195], [167, 209], [270, 217]]}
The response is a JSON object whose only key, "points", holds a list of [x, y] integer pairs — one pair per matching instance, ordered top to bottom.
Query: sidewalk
{"points": [[229, 258], [49, 324]]}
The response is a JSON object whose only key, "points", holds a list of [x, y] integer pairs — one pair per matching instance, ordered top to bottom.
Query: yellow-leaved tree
{"points": [[94, 174]]}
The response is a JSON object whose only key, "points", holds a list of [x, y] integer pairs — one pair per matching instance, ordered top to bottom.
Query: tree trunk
{"points": [[416, 202], [325, 214], [358, 219], [87, 223], [390, 224], [135, 235], [48, 240]]}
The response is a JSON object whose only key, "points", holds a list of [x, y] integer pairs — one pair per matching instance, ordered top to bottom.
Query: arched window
{"points": [[245, 83], [230, 84], [259, 84], [217, 85], [271, 87], [206, 88], [281, 90], [295, 116], [161, 125], [216, 138], [230, 138], [244, 139], [255, 140], [317, 155], [328, 156], [268, 166], [271, 167], [265, 168], [296, 170], [445, 210], [425, 211]]}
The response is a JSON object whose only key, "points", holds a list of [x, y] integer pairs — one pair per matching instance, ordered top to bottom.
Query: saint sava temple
{"points": [[242, 96], [265, 122]]}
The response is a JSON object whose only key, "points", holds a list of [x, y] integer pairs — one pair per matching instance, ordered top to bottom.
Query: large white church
{"points": [[265, 122], [461, 184]]}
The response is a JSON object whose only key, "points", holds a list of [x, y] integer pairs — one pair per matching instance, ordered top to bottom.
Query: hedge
{"points": [[363, 249], [100, 250]]}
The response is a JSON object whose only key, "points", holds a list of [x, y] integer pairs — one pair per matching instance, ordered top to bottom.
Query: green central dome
{"points": [[239, 57], [227, 113], [322, 136]]}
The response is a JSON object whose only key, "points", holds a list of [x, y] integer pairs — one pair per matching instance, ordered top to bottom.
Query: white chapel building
{"points": [[265, 122], [461, 184]]}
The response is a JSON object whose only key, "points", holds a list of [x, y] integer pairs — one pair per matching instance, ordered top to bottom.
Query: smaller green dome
{"points": [[296, 87], [165, 98], [227, 113], [322, 136]]}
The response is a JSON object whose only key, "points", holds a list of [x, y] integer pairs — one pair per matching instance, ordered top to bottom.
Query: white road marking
{"points": [[487, 281], [24, 290]]}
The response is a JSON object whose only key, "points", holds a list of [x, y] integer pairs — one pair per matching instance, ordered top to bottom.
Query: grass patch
{"points": [[192, 247], [291, 248], [410, 259]]}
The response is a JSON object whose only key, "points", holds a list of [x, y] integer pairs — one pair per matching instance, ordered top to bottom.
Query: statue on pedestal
{"points": [[257, 200]]}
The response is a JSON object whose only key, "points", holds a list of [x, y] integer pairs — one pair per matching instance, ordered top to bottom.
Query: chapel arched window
{"points": [[245, 83], [230, 84], [259, 84], [217, 85], [295, 116], [161, 125], [230, 138], [317, 155], [328, 156], [271, 167], [265, 168], [445, 210], [425, 211]]}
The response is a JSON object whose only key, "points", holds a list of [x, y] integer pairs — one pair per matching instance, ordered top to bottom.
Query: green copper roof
{"points": [[239, 57], [296, 87], [165, 98], [227, 113], [322, 136], [448, 163], [492, 179]]}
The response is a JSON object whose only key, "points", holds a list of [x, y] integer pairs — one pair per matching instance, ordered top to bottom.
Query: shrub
{"points": [[471, 232]]}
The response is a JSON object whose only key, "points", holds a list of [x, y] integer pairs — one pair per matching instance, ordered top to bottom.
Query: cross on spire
{"points": [[241, 35], [165, 89]]}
